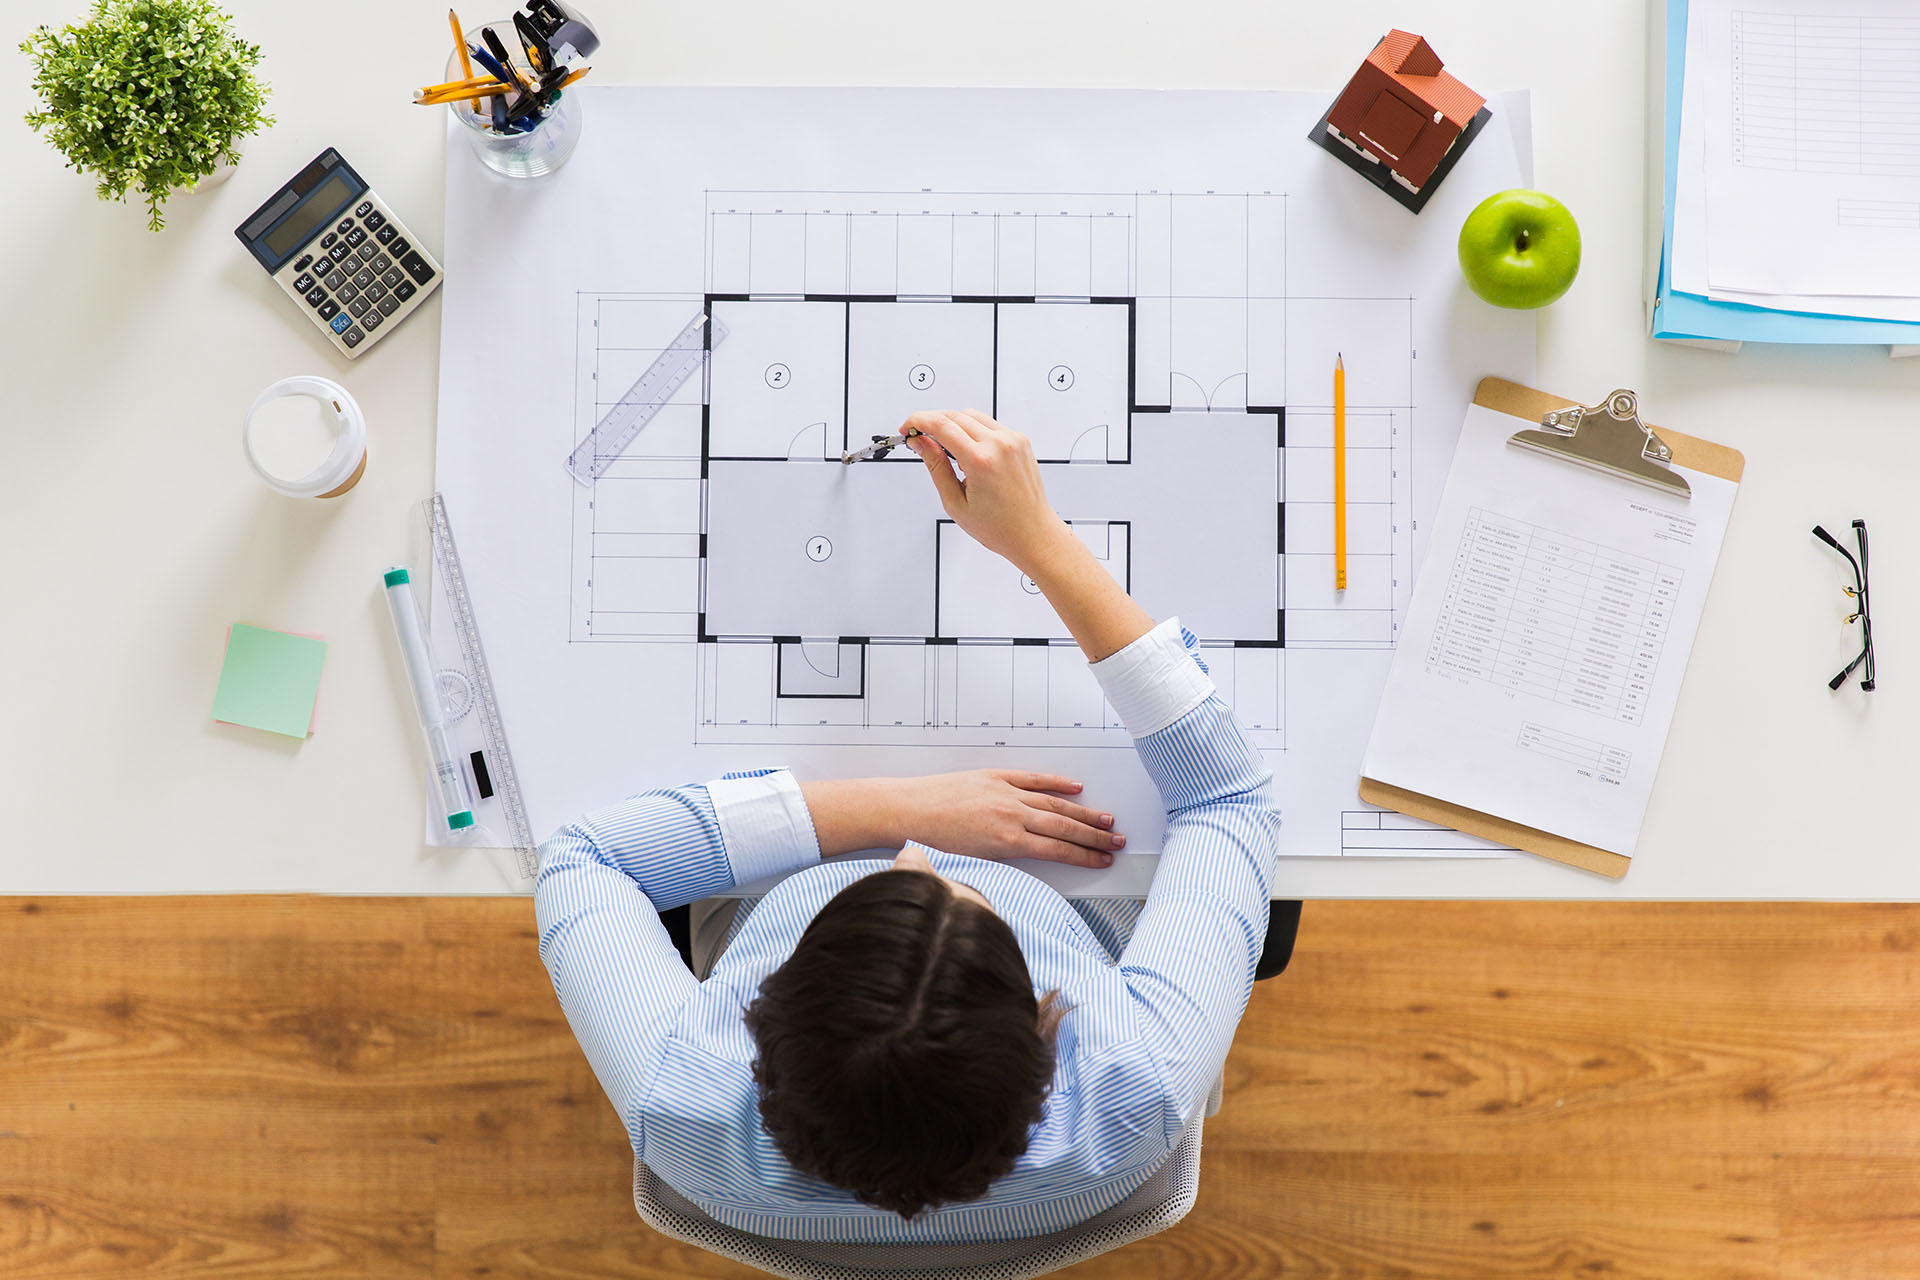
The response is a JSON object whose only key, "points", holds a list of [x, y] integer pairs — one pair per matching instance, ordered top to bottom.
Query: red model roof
{"points": [[1412, 63]]}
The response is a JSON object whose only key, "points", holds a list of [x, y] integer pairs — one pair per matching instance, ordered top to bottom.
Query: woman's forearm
{"points": [[1097, 610], [850, 814]]}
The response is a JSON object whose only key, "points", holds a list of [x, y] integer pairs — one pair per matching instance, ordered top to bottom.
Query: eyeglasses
{"points": [[1858, 594]]}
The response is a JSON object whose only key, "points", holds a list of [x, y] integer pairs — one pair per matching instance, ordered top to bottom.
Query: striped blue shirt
{"points": [[1136, 1057]]}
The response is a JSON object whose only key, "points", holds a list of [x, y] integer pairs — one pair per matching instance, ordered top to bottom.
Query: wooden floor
{"points": [[292, 1087]]}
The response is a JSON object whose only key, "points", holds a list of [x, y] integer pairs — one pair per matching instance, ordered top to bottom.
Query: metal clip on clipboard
{"points": [[1609, 437]]}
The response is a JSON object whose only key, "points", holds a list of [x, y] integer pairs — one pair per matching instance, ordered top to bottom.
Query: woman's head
{"points": [[902, 1054]]}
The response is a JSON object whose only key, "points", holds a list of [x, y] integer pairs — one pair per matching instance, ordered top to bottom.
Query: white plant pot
{"points": [[214, 179]]}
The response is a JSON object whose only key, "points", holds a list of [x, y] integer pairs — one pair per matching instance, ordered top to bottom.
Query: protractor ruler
{"points": [[683, 358]]}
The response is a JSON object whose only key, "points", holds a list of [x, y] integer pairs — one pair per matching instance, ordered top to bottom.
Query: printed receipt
{"points": [[1541, 660]]}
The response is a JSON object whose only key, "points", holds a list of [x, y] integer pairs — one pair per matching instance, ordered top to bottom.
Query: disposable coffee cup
{"points": [[306, 438]]}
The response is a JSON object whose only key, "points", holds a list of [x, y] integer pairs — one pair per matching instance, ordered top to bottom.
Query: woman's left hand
{"points": [[1009, 813]]}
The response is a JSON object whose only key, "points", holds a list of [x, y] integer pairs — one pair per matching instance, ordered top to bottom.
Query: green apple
{"points": [[1520, 249]]}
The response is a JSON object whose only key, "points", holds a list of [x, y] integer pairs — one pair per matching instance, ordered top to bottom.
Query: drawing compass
{"points": [[880, 448]]}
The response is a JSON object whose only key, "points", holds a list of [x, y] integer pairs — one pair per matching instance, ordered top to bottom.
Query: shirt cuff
{"points": [[1155, 680], [764, 825]]}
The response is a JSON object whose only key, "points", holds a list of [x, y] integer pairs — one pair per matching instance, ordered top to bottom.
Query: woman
{"points": [[938, 1047]]}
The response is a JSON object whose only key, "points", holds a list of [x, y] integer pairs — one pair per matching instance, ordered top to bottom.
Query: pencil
{"points": [[460, 46], [571, 78], [452, 86], [463, 95], [1339, 473]]}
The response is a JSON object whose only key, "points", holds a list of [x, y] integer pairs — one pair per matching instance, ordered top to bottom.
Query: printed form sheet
{"points": [[1811, 149], [1153, 286], [1547, 639]]}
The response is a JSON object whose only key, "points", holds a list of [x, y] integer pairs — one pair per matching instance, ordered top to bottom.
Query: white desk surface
{"points": [[132, 532]]}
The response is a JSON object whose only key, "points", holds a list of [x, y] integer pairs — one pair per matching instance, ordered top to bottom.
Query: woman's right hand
{"points": [[1002, 502]]}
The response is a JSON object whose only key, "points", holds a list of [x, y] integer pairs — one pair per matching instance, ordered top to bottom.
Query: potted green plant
{"points": [[147, 94]]}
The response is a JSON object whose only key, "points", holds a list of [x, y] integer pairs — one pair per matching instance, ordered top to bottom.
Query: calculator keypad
{"points": [[360, 274]]}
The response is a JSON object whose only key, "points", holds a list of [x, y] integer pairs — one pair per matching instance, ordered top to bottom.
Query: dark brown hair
{"points": [[902, 1055]]}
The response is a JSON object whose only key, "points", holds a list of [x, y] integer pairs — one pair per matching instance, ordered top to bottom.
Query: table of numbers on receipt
{"points": [[1539, 611]]}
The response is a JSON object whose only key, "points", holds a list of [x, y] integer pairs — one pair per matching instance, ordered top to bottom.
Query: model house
{"points": [[1403, 111]]}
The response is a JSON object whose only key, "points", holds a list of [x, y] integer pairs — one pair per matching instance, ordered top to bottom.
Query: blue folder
{"points": [[1690, 315]]}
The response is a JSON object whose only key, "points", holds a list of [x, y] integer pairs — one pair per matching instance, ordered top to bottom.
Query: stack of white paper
{"points": [[1798, 184]]}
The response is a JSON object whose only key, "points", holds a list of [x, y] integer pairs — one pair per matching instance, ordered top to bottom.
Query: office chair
{"points": [[1283, 927], [1158, 1203]]}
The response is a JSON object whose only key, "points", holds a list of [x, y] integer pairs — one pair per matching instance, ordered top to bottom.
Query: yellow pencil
{"points": [[460, 44], [460, 47], [572, 77], [477, 82], [463, 95], [1339, 473]]}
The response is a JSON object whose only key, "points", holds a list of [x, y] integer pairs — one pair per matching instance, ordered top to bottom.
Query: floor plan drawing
{"points": [[1153, 286], [1142, 342]]}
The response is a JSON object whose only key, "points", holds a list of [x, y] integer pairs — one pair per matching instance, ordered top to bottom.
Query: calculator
{"points": [[339, 252]]}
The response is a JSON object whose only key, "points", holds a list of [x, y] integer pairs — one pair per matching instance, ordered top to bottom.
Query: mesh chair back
{"points": [[1155, 1205]]}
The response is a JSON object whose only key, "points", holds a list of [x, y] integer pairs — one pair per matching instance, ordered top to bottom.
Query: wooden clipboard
{"points": [[1528, 405]]}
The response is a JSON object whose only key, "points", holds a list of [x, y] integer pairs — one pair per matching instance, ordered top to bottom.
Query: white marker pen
{"points": [[449, 779]]}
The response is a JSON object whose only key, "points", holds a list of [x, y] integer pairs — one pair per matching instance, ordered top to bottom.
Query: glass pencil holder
{"points": [[533, 153]]}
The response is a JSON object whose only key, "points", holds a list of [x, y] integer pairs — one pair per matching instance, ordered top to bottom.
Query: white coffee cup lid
{"points": [[349, 446]]}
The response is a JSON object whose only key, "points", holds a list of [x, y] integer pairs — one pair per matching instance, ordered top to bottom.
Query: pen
{"points": [[498, 48], [493, 67], [519, 111], [1339, 473], [450, 782]]}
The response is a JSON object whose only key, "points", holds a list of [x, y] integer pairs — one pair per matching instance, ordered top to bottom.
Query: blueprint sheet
{"points": [[1152, 284]]}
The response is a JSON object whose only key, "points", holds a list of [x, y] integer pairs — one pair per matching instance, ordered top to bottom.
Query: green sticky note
{"points": [[269, 680]]}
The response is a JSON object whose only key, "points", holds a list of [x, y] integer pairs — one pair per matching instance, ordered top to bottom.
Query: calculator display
{"points": [[325, 201]]}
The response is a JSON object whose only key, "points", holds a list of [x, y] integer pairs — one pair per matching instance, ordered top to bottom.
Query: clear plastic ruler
{"points": [[682, 358], [466, 687]]}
